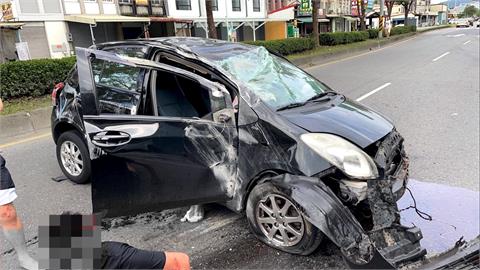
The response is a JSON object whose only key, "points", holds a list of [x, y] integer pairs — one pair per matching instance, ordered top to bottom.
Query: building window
{"points": [[125, 1], [183, 5], [215, 5], [236, 5], [256, 5]]}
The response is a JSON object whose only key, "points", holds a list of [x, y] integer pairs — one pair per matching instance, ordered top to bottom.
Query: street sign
{"points": [[141, 2], [305, 8], [7, 13], [22, 51]]}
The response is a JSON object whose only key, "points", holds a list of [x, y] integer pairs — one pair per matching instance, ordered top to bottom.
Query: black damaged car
{"points": [[170, 122]]}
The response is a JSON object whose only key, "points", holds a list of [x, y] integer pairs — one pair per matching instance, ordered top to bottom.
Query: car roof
{"points": [[211, 49]]}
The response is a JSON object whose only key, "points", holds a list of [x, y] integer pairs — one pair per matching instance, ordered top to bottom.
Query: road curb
{"points": [[310, 61], [24, 122]]}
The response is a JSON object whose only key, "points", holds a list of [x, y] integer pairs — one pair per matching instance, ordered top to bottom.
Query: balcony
{"points": [[147, 8]]}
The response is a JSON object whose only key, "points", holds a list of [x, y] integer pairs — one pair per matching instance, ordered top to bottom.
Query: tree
{"points": [[389, 4], [407, 6], [469, 11], [361, 14], [212, 30], [315, 34]]}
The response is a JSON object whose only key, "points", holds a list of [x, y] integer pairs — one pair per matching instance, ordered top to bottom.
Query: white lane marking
{"points": [[458, 35], [466, 42], [447, 53], [373, 92]]}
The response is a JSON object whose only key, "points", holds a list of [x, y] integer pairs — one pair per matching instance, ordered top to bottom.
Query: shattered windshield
{"points": [[276, 81]]}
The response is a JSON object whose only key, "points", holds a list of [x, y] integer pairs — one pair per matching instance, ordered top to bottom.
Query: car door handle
{"points": [[111, 138]]}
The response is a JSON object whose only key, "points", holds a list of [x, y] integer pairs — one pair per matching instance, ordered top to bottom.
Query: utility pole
{"points": [[381, 20]]}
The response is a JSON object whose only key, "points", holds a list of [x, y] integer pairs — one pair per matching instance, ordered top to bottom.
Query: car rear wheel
{"points": [[73, 157], [275, 220]]}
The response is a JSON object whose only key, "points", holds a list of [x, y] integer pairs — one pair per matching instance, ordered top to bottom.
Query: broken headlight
{"points": [[342, 154]]}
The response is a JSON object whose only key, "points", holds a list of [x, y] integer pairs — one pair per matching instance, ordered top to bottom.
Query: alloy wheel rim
{"points": [[71, 157], [279, 220]]}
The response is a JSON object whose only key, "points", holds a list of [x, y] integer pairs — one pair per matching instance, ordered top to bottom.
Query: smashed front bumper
{"points": [[387, 244]]}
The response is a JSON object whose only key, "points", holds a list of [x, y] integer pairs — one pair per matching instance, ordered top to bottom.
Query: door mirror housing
{"points": [[222, 106]]}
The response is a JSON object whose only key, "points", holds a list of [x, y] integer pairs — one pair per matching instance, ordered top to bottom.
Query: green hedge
{"points": [[397, 30], [373, 33], [331, 39], [285, 46], [32, 78]]}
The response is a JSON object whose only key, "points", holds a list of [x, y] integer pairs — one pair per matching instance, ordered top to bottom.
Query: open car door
{"points": [[173, 156]]}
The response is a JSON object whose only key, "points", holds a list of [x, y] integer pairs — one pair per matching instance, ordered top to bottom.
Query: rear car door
{"points": [[165, 141]]}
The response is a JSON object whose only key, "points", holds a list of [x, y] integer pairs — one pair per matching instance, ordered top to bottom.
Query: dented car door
{"points": [[177, 154]]}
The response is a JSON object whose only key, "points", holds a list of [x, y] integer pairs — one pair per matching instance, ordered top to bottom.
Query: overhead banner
{"points": [[7, 13]]}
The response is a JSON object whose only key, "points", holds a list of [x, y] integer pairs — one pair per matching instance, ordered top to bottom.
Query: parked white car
{"points": [[463, 23]]}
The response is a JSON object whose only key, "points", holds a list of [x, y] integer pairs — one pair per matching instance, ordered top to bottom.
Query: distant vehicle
{"points": [[463, 23]]}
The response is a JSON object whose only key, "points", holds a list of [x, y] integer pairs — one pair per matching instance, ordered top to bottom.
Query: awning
{"points": [[93, 19], [168, 19], [350, 19], [309, 20], [12, 25]]}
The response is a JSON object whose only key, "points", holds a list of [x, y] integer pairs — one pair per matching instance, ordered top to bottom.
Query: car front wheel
{"points": [[73, 157], [275, 220]]}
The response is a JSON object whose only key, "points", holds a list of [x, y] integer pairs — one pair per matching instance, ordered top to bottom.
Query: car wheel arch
{"points": [[63, 127], [261, 177]]}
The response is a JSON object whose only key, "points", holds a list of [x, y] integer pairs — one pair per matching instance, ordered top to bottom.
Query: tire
{"points": [[72, 140], [303, 243]]}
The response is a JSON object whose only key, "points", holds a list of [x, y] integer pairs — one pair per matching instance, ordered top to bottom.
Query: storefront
{"points": [[85, 30], [9, 36]]}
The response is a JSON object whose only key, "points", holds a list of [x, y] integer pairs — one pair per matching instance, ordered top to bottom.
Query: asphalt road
{"points": [[429, 86]]}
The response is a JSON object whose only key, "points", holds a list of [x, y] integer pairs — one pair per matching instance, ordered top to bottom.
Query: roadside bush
{"points": [[397, 30], [373, 33], [331, 39], [285, 46], [33, 77]]}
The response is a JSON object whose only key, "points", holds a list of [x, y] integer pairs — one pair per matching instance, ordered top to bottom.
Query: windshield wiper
{"points": [[321, 95], [315, 98], [291, 105]]}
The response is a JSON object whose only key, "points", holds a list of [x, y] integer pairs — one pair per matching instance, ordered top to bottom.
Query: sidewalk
{"points": [[25, 122]]}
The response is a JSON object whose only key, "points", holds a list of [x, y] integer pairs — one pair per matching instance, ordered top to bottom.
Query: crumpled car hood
{"points": [[348, 119]]}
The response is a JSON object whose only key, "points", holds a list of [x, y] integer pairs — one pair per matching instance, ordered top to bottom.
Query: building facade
{"points": [[334, 16], [53, 28], [41, 30]]}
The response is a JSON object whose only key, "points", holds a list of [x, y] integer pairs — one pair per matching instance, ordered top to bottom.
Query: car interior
{"points": [[177, 96]]}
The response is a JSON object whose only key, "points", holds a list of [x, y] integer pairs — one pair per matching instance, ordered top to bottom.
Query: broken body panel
{"points": [[162, 162]]}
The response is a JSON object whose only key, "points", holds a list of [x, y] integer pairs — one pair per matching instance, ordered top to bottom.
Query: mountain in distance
{"points": [[452, 3]]}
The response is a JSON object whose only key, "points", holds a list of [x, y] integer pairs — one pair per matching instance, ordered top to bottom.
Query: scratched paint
{"points": [[455, 213]]}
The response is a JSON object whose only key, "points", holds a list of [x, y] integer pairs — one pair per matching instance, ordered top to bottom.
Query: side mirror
{"points": [[222, 107], [222, 116]]}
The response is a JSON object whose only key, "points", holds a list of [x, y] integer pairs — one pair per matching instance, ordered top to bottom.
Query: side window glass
{"points": [[111, 74], [118, 87]]}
